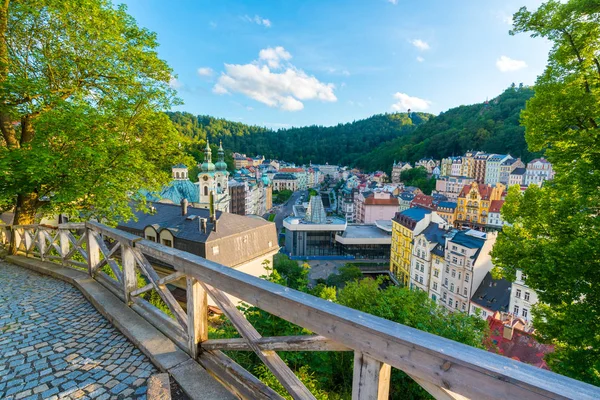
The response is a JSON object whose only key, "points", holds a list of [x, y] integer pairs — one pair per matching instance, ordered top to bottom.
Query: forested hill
{"points": [[492, 126], [374, 143], [340, 144]]}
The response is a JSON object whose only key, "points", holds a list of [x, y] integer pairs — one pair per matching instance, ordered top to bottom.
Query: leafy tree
{"points": [[82, 95], [418, 177], [282, 196], [555, 234], [347, 273]]}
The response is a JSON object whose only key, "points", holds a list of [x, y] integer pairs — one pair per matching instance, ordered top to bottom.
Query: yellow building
{"points": [[473, 205], [447, 210], [405, 226]]}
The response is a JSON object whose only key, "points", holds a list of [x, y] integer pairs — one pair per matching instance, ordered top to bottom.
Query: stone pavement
{"points": [[54, 344]]}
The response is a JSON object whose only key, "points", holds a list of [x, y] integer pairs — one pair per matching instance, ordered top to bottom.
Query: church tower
{"points": [[213, 179]]}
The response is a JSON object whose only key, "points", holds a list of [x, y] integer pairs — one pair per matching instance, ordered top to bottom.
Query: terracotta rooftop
{"points": [[291, 170], [484, 190], [372, 201], [496, 205]]}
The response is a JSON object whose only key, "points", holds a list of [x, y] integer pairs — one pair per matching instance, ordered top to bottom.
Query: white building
{"points": [[492, 168], [538, 171], [213, 180], [494, 216], [468, 260], [426, 268], [522, 298]]}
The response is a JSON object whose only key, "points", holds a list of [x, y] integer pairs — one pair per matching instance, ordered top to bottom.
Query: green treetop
{"points": [[82, 95], [555, 234]]}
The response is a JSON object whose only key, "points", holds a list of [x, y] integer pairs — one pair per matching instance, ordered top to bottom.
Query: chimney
{"points": [[184, 206], [202, 223]]}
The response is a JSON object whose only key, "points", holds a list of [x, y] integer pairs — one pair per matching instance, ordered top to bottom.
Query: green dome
{"points": [[221, 165], [207, 166]]}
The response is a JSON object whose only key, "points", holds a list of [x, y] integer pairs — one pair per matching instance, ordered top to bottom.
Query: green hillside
{"points": [[343, 143], [374, 143]]}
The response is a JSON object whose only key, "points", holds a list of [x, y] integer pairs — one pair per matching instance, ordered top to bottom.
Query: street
{"points": [[286, 209]]}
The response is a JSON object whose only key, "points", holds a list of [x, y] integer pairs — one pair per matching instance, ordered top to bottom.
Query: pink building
{"points": [[372, 206]]}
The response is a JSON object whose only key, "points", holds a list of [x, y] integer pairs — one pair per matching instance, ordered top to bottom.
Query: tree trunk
{"points": [[25, 211]]}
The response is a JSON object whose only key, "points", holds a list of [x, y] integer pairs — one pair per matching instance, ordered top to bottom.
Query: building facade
{"points": [[492, 167], [507, 167], [538, 171], [474, 203], [373, 206], [522, 298]]}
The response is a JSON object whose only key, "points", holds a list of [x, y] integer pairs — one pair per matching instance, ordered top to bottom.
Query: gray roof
{"points": [[518, 171], [285, 176], [230, 233], [493, 294]]}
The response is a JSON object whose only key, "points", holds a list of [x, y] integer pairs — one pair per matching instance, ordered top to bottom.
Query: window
{"points": [[206, 190], [152, 238], [167, 242], [453, 247], [215, 250], [454, 260], [447, 269], [436, 272], [453, 273], [459, 275], [523, 276], [466, 277], [421, 279], [434, 285], [452, 287], [465, 291], [518, 294], [444, 296], [526, 296], [433, 297], [456, 304], [463, 307], [516, 310], [484, 313], [525, 313]]}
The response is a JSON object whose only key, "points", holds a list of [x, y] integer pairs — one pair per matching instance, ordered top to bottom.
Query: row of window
{"points": [[518, 295], [524, 312]]}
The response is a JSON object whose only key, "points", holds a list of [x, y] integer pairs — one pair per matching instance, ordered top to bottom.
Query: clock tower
{"points": [[213, 179]]}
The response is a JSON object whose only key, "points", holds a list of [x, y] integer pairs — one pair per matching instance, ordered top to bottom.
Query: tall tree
{"points": [[82, 92], [555, 232]]}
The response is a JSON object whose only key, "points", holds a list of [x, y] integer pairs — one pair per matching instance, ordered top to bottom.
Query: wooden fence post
{"points": [[41, 239], [63, 239], [93, 251], [129, 277], [197, 315], [371, 379]]}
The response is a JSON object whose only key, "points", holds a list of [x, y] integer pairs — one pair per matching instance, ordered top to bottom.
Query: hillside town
{"points": [[439, 243]]}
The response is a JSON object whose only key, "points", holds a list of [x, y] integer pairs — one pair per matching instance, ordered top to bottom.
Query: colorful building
{"points": [[474, 204], [447, 210], [405, 225]]}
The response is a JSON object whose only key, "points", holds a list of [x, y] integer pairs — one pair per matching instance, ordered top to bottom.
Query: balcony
{"points": [[446, 369]]}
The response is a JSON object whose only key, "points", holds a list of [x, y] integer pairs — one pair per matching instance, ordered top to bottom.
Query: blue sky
{"points": [[287, 63]]}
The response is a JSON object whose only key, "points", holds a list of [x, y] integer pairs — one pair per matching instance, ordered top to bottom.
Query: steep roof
{"points": [[518, 171], [284, 176], [484, 190], [423, 200], [372, 201], [447, 204], [496, 205], [416, 213], [434, 233], [241, 238], [464, 239], [493, 294]]}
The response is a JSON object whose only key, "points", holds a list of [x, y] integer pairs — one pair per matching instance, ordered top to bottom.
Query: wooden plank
{"points": [[72, 226], [123, 237], [63, 239], [41, 242], [76, 243], [93, 252], [107, 257], [76, 263], [129, 278], [162, 281], [162, 290], [197, 316], [161, 321], [277, 343], [442, 362], [278, 367], [371, 378], [237, 379], [437, 392]]}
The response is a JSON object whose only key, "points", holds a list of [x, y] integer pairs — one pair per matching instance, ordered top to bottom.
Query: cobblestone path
{"points": [[54, 344]]}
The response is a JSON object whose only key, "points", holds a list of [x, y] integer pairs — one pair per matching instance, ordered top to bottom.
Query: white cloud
{"points": [[394, 2], [257, 19], [420, 44], [273, 56], [420, 59], [507, 64], [205, 71], [272, 80], [405, 102]]}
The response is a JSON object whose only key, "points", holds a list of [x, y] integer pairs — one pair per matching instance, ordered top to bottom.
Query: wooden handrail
{"points": [[445, 368]]}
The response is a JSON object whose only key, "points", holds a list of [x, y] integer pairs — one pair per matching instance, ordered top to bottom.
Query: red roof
{"points": [[291, 170], [484, 190], [422, 200], [372, 201], [496, 205], [522, 347]]}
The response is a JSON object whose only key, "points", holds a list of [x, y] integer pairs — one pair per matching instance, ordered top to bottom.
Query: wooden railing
{"points": [[446, 369]]}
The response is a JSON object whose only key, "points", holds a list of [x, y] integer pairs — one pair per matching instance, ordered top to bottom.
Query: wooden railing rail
{"points": [[446, 369]]}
